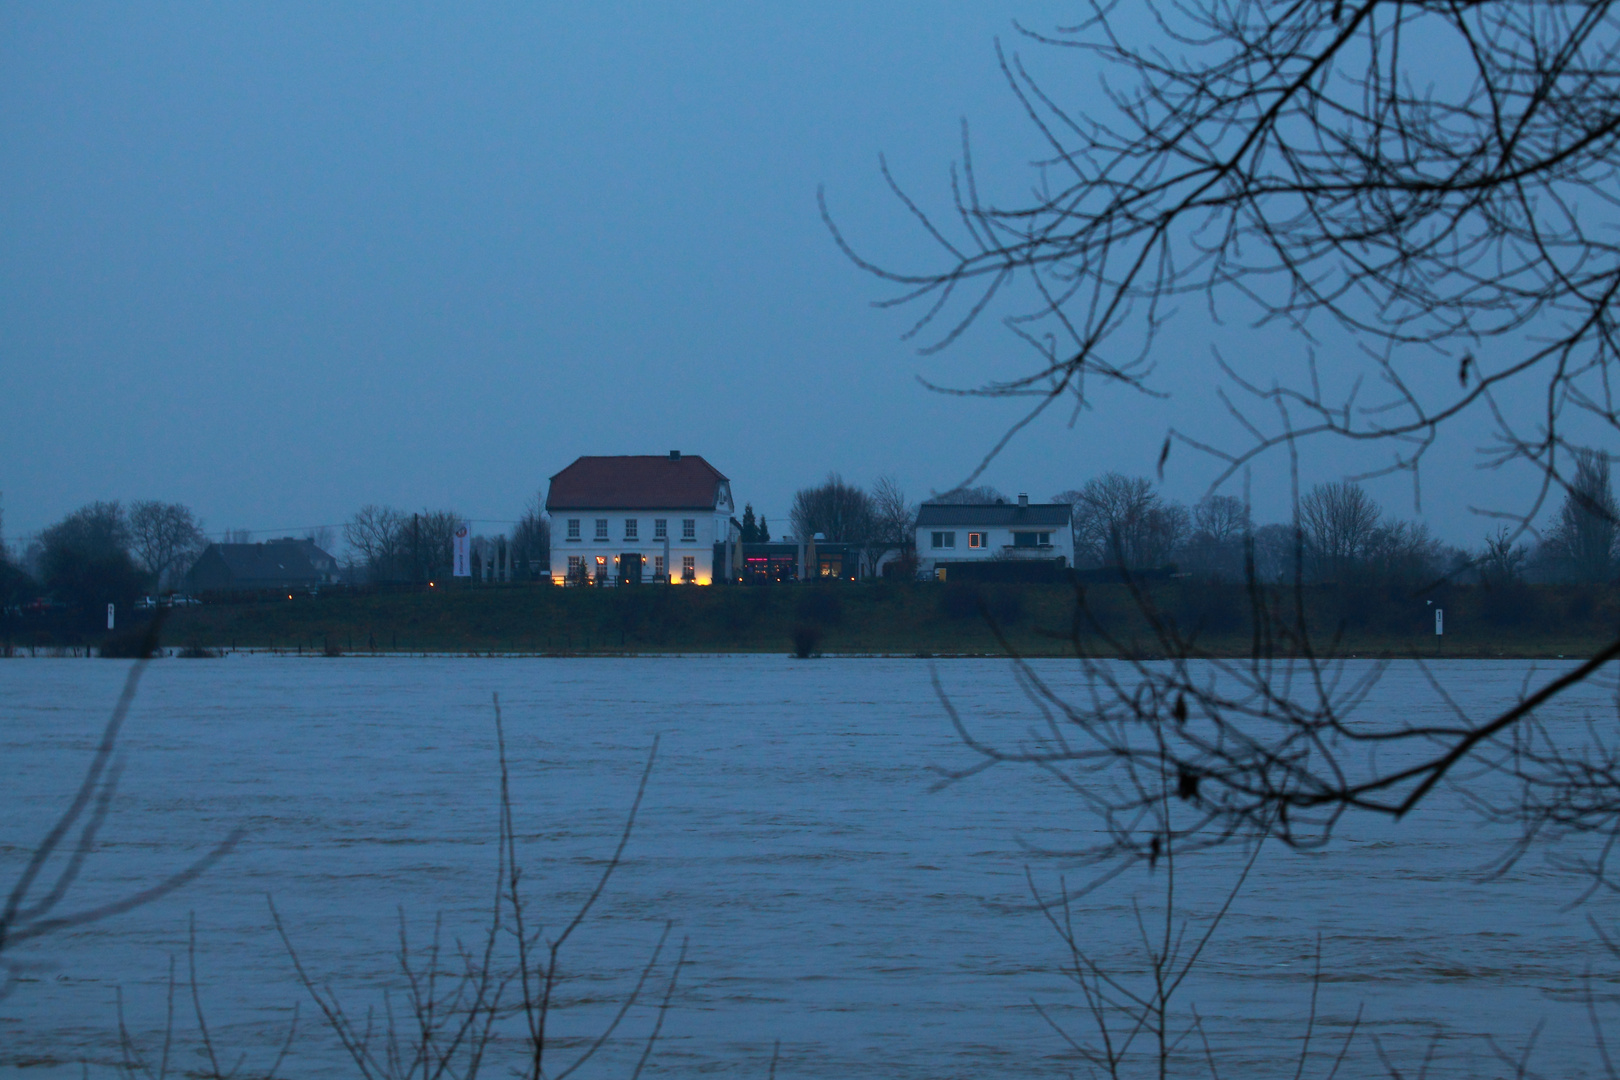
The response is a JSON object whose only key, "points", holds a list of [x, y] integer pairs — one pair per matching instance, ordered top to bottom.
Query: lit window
{"points": [[573, 528], [601, 528], [629, 528], [689, 528], [660, 529], [944, 539], [975, 540], [688, 568]]}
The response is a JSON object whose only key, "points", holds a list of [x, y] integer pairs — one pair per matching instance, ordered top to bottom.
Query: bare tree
{"points": [[840, 511], [894, 520], [1120, 520], [1338, 521], [1220, 528], [377, 535], [432, 536], [1584, 536], [166, 537], [531, 538], [1501, 561]]}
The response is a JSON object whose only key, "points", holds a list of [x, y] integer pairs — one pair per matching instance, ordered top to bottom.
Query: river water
{"points": [[838, 910]]}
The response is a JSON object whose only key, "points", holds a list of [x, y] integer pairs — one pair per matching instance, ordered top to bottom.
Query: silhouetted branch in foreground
{"points": [[1281, 744], [39, 901], [460, 1007], [135, 1063]]}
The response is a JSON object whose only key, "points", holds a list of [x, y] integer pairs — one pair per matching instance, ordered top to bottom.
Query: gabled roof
{"points": [[636, 482], [994, 515], [277, 561]]}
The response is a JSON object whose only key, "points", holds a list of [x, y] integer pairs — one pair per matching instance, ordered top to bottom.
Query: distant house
{"points": [[624, 520], [970, 536], [288, 563]]}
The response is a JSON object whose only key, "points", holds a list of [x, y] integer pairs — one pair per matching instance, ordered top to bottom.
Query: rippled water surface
{"points": [[832, 902]]}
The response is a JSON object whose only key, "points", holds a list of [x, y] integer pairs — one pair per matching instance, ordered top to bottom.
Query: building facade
{"points": [[640, 518], [949, 533], [288, 563]]}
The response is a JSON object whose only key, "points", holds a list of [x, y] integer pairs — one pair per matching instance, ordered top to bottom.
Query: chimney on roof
{"points": [[674, 455], [1023, 498]]}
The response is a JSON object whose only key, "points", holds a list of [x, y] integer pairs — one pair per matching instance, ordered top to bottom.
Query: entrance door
{"points": [[630, 568]]}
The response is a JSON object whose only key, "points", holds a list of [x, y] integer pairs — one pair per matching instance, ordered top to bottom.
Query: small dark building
{"points": [[774, 562], [287, 563]]}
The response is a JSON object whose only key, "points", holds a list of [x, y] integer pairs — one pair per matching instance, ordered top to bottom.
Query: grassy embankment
{"points": [[906, 619]]}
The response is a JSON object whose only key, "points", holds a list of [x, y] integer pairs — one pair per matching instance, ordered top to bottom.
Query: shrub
{"points": [[806, 639]]}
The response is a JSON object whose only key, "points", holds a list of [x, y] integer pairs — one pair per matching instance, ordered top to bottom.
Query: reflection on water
{"points": [[832, 901]]}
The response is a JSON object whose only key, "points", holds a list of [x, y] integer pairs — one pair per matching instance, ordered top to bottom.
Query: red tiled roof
{"points": [[636, 482]]}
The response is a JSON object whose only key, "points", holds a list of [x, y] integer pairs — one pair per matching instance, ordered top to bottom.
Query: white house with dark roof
{"points": [[640, 518], [981, 532]]}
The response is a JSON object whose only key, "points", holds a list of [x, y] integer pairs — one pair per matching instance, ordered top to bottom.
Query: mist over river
{"points": [[832, 901]]}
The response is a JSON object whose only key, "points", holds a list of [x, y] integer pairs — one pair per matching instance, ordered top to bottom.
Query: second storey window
{"points": [[573, 528], [601, 528], [629, 528], [660, 528], [689, 528], [944, 539], [1032, 539], [976, 540]]}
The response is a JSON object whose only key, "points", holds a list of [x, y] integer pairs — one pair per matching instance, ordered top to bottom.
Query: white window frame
{"points": [[630, 527], [601, 528], [660, 528], [573, 529], [688, 530], [943, 539], [658, 566], [688, 567]]}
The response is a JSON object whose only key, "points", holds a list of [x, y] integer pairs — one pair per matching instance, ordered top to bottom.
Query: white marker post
{"points": [[109, 616], [1439, 622]]}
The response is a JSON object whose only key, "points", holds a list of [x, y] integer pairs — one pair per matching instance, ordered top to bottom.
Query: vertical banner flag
{"points": [[461, 568]]}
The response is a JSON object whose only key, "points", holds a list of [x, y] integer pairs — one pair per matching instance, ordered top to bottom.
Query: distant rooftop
{"points": [[636, 482], [994, 515]]}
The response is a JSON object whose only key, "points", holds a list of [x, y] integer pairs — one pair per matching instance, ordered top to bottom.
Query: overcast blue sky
{"points": [[279, 261]]}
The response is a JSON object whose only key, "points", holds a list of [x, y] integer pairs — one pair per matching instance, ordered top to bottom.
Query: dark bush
{"points": [[806, 640], [136, 643], [331, 647], [199, 652]]}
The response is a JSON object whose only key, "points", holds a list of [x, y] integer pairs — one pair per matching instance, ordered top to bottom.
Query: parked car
{"points": [[182, 600], [146, 603]]}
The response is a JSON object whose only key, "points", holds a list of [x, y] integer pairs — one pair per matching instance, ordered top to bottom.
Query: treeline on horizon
{"points": [[105, 552]]}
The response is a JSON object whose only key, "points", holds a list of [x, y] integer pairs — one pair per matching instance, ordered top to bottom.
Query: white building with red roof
{"points": [[636, 518]]}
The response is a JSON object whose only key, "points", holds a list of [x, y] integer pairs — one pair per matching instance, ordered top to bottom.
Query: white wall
{"points": [[710, 528], [998, 544]]}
